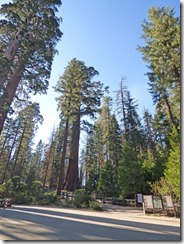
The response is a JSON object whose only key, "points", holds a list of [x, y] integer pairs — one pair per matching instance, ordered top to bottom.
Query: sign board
{"points": [[139, 198], [148, 201], [157, 202], [167, 202]]}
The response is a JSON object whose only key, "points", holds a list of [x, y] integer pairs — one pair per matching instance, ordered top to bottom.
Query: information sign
{"points": [[148, 201], [157, 202], [167, 202]]}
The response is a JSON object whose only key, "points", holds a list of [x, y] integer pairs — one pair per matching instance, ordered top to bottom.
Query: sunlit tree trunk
{"points": [[10, 91], [72, 177]]}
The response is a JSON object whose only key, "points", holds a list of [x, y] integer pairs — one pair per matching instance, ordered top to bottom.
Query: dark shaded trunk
{"points": [[176, 72], [11, 88], [173, 120], [18, 150], [9, 156], [22, 162], [62, 162], [47, 166], [72, 176]]}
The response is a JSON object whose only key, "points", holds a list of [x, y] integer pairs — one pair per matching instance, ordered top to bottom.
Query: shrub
{"points": [[7, 189], [44, 198], [81, 198], [95, 206]]}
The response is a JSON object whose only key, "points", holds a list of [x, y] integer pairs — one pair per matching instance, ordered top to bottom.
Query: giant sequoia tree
{"points": [[29, 33], [79, 96]]}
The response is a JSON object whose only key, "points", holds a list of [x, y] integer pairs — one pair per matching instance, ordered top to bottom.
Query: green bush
{"points": [[7, 189], [27, 193], [22, 197], [44, 198], [81, 198], [67, 203], [95, 206]]}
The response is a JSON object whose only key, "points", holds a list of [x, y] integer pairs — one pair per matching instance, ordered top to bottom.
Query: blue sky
{"points": [[104, 34]]}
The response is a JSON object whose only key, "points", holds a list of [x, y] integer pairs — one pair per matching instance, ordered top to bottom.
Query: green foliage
{"points": [[29, 33], [162, 52], [79, 96], [115, 162], [172, 171], [130, 174], [107, 185], [160, 187], [7, 189], [27, 193], [45, 198], [81, 198], [95, 206]]}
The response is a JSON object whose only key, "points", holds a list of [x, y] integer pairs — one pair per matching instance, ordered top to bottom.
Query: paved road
{"points": [[123, 224]]}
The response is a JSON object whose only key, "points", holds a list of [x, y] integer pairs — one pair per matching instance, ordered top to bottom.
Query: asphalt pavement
{"points": [[115, 223]]}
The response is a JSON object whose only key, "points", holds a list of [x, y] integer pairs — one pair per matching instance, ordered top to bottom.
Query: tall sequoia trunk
{"points": [[9, 54], [11, 88], [62, 163], [72, 176]]}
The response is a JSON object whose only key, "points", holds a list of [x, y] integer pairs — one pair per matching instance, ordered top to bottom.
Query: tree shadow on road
{"points": [[43, 224]]}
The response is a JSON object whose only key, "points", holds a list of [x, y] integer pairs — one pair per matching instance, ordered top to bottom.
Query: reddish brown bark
{"points": [[9, 54], [11, 88], [61, 171], [72, 176]]}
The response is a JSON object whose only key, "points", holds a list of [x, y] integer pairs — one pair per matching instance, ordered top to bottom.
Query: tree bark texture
{"points": [[9, 54], [11, 88], [61, 171], [72, 176]]}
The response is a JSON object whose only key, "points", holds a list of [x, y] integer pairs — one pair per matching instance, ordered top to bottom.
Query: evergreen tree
{"points": [[29, 33], [162, 52], [79, 96], [29, 119], [134, 134], [9, 137], [108, 147], [48, 161], [92, 164], [35, 166], [172, 171], [130, 173]]}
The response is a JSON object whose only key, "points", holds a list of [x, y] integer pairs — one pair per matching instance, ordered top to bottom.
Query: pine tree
{"points": [[162, 52], [29, 119], [134, 133], [10, 137], [108, 147], [92, 164], [35, 166], [130, 173]]}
